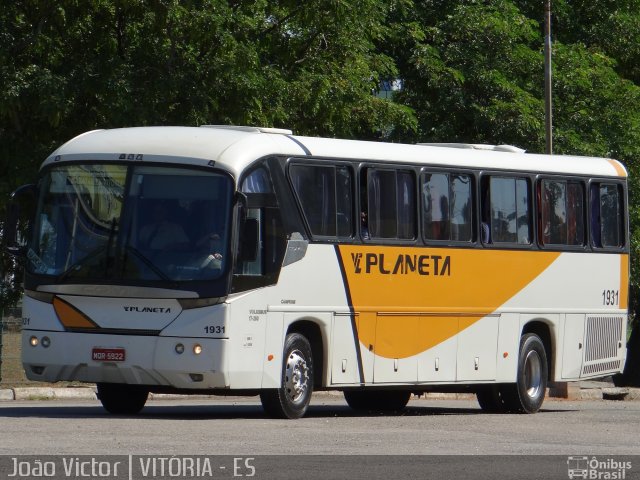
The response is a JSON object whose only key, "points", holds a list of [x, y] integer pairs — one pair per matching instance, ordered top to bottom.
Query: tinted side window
{"points": [[257, 182], [324, 194], [344, 202], [262, 207], [446, 207], [390, 211], [506, 213], [562, 213], [607, 225], [576, 230]]}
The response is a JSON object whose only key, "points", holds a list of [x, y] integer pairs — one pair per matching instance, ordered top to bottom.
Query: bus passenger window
{"points": [[325, 197], [344, 202], [391, 205], [406, 205], [435, 206], [446, 207], [562, 213], [575, 214], [509, 215], [606, 215]]}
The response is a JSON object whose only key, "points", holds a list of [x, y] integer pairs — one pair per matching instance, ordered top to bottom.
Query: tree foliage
{"points": [[70, 66]]}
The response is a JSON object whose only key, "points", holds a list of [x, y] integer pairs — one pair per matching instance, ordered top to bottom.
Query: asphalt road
{"points": [[238, 426]]}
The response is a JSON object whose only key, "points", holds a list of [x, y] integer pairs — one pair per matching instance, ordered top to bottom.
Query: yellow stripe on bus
{"points": [[620, 170], [624, 281], [416, 298], [70, 316]]}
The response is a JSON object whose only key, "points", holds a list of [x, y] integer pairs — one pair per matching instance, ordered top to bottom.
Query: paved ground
{"points": [[238, 426]]}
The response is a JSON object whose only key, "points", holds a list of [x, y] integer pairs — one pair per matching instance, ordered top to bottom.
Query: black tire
{"points": [[527, 394], [122, 399], [292, 399], [491, 399], [377, 400]]}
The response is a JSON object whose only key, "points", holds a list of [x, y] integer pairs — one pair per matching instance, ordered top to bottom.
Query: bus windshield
{"points": [[108, 222]]}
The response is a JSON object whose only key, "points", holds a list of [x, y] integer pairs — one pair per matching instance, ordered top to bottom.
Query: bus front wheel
{"points": [[122, 399], [292, 399]]}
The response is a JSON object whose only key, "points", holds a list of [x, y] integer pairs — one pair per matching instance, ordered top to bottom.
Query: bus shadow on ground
{"points": [[411, 411], [233, 412]]}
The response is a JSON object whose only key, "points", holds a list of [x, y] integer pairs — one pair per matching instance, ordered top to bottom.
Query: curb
{"points": [[47, 393], [6, 394]]}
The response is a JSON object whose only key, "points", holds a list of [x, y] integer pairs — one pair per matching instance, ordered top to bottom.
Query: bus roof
{"points": [[235, 148]]}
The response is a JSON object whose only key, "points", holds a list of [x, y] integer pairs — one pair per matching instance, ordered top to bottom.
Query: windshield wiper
{"points": [[101, 250], [92, 255], [146, 261], [149, 263], [76, 266]]}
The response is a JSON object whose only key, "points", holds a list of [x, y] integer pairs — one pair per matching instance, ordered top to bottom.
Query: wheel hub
{"points": [[533, 374], [296, 376]]}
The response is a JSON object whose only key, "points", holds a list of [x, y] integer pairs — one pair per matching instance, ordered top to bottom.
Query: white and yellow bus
{"points": [[241, 260]]}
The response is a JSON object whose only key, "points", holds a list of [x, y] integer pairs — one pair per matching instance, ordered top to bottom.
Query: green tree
{"points": [[470, 76]]}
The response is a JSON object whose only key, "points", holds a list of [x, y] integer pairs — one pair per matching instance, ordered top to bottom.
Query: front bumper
{"points": [[148, 360]]}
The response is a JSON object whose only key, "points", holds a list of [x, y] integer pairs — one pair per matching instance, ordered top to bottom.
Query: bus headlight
{"points": [[33, 341], [46, 341], [179, 348], [197, 349]]}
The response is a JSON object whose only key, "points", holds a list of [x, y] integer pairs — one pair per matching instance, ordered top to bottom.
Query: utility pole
{"points": [[548, 114]]}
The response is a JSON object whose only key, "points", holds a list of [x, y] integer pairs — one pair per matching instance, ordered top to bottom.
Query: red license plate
{"points": [[108, 355]]}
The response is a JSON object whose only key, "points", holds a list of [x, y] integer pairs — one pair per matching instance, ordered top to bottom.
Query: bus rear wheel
{"points": [[527, 394], [122, 399], [292, 399], [377, 400]]}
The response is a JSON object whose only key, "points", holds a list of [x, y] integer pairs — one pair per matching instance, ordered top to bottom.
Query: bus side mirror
{"points": [[17, 226], [249, 241]]}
